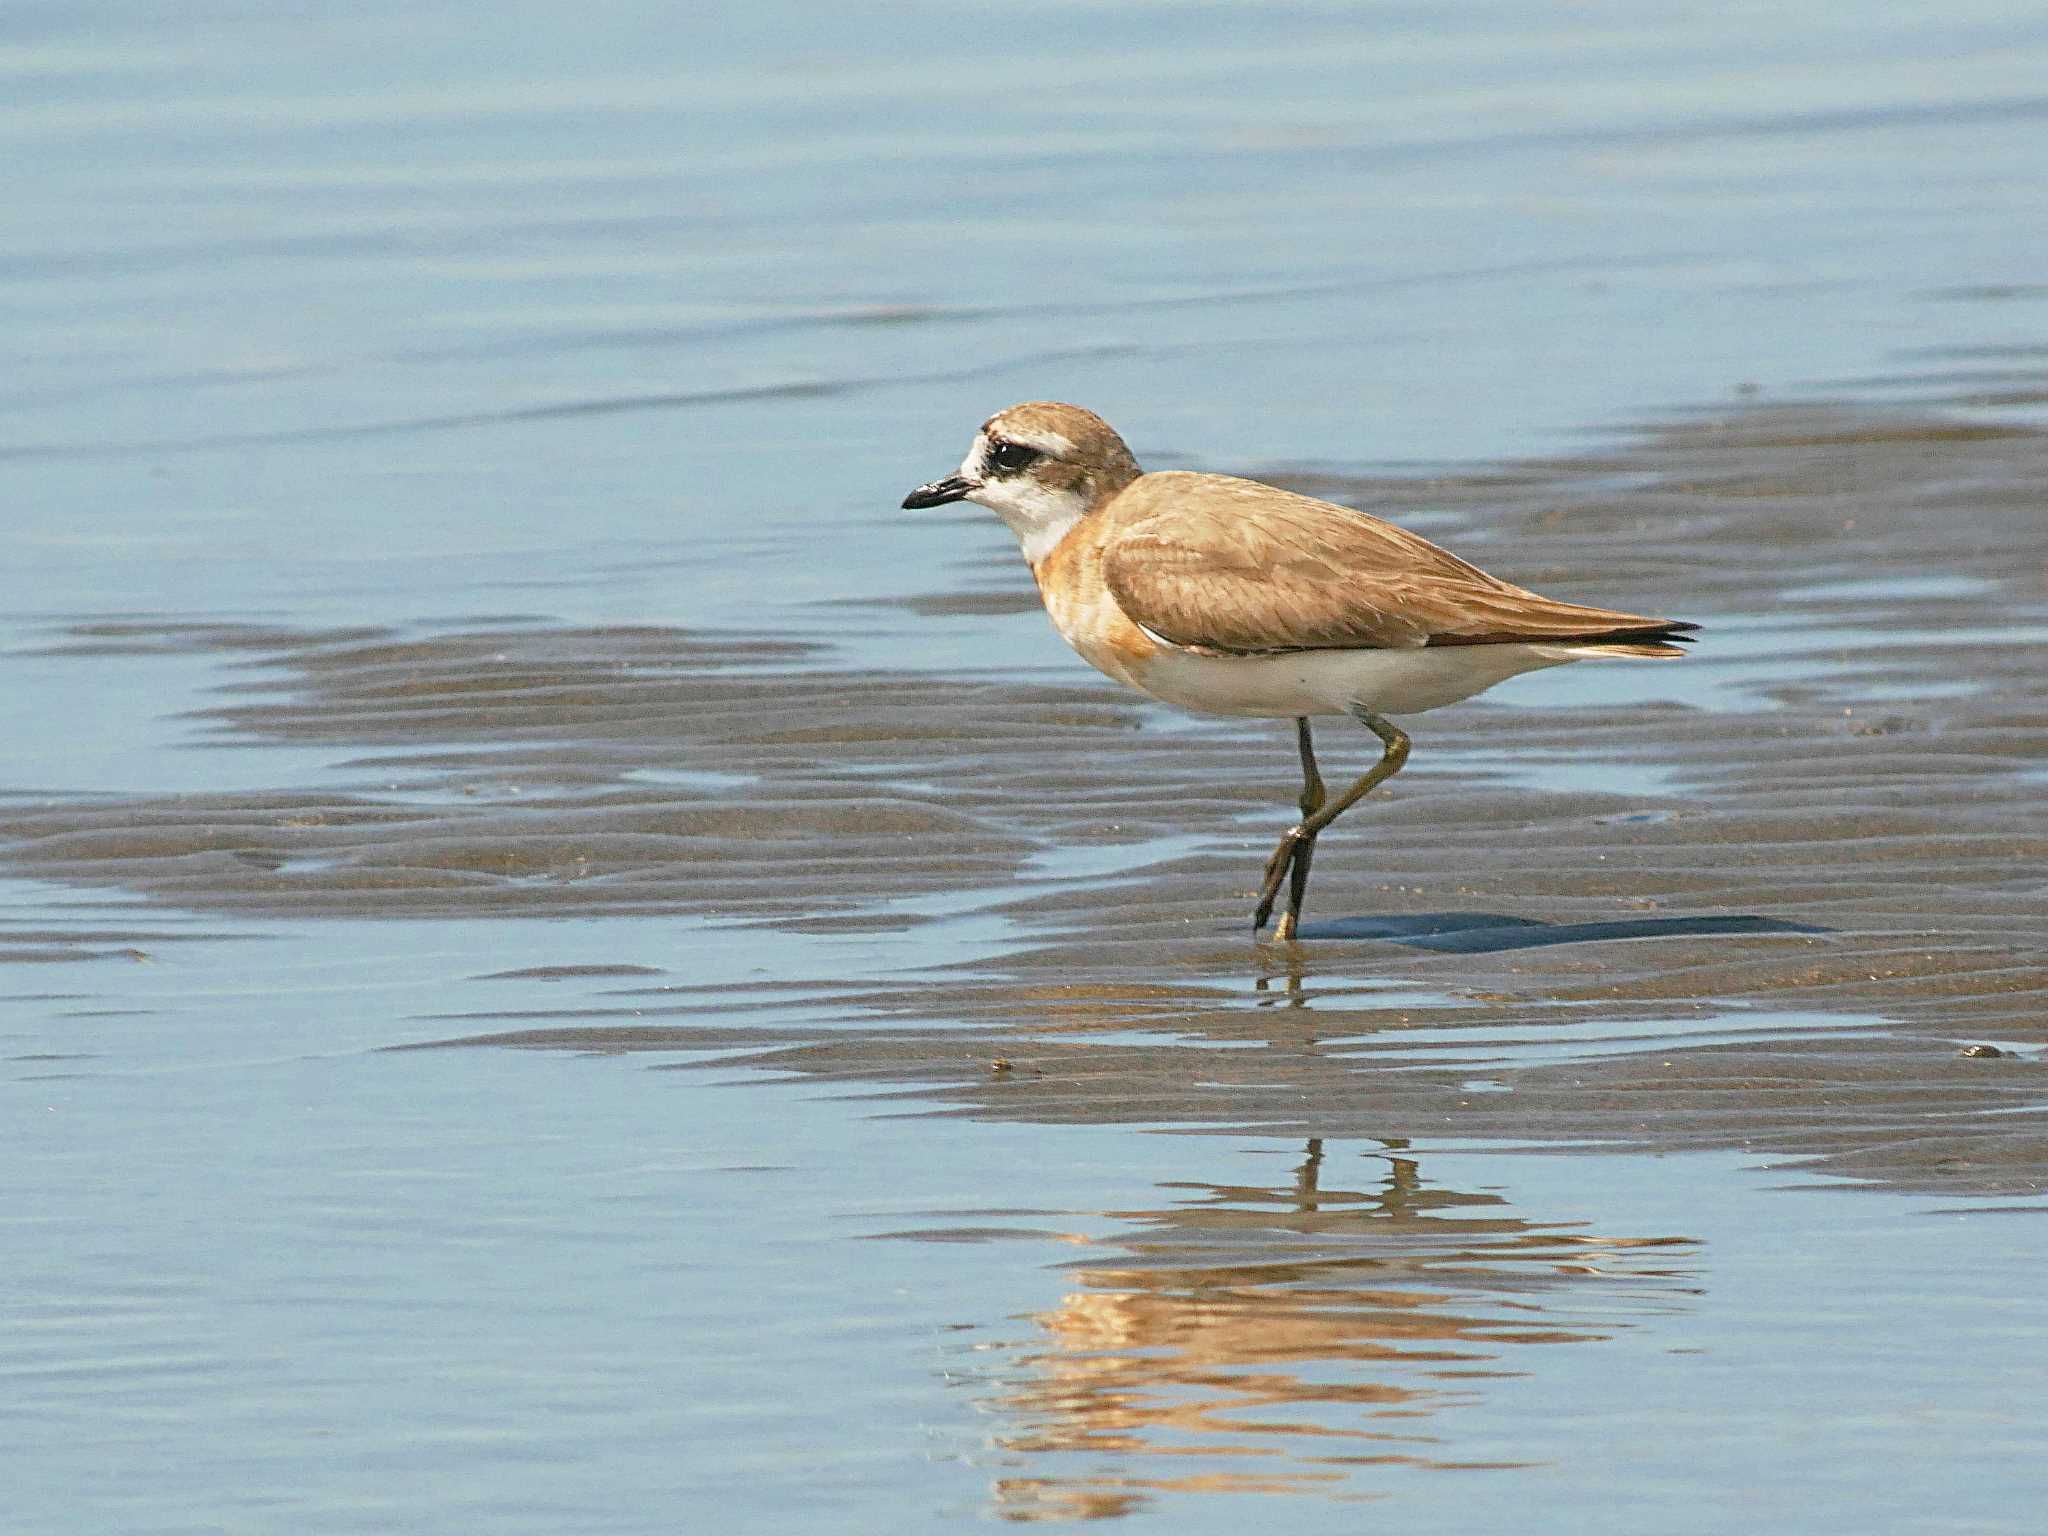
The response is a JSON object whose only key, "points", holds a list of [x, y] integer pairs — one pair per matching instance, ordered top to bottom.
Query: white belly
{"points": [[1331, 682]]}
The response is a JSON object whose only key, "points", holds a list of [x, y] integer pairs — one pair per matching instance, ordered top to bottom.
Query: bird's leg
{"points": [[1300, 839], [1297, 848]]}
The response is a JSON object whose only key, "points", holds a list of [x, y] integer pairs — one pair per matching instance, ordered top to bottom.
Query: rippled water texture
{"points": [[566, 967]]}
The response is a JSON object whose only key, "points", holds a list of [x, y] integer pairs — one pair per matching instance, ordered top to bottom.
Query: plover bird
{"points": [[1229, 597]]}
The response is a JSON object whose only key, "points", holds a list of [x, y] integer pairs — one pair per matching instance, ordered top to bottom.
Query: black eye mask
{"points": [[1010, 456]]}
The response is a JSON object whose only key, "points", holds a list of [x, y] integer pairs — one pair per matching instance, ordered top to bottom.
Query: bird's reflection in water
{"points": [[1291, 1339]]}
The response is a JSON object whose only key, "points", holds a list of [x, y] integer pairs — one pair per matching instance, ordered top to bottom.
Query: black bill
{"points": [[939, 492]]}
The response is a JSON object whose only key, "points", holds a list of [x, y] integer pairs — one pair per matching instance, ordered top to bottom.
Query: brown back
{"points": [[1219, 564]]}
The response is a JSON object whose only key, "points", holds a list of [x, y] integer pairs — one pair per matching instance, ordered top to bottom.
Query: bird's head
{"points": [[1040, 467]]}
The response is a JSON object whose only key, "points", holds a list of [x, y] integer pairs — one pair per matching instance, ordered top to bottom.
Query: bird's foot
{"points": [[1269, 888]]}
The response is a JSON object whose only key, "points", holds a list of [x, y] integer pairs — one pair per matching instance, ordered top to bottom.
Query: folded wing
{"points": [[1231, 566]]}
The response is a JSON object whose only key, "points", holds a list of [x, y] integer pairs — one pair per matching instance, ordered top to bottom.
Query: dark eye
{"points": [[1008, 456]]}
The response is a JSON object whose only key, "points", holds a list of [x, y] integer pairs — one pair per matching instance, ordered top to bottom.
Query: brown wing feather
{"points": [[1213, 563]]}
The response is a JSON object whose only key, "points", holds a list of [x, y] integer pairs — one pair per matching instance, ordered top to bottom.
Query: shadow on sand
{"points": [[1479, 933]]}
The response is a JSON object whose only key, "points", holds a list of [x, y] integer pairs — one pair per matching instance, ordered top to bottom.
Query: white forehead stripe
{"points": [[1049, 443]]}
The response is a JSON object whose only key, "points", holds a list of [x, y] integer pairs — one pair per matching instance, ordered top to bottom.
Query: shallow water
{"points": [[453, 596]]}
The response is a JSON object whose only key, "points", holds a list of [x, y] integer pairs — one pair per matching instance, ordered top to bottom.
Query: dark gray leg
{"points": [[1297, 845], [1302, 852]]}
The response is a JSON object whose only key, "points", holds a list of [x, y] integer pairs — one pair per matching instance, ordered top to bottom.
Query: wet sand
{"points": [[456, 597], [1783, 897]]}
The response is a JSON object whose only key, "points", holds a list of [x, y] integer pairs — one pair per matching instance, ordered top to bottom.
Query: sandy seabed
{"points": [[1786, 896]]}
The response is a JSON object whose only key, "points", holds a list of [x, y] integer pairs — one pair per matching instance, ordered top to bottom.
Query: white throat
{"points": [[1039, 517]]}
